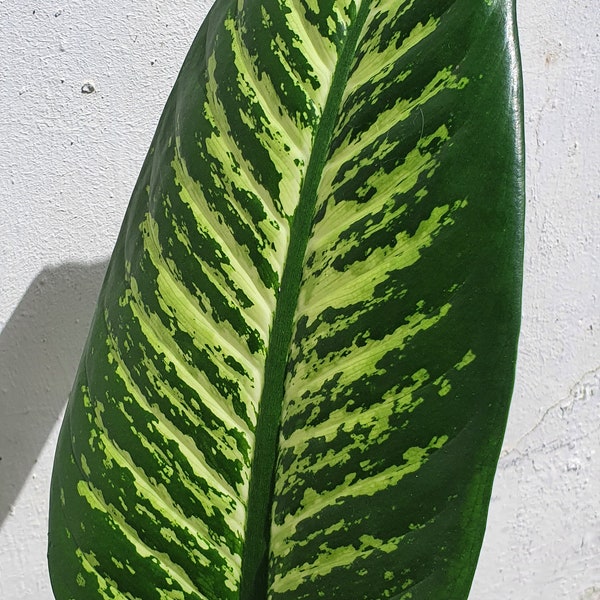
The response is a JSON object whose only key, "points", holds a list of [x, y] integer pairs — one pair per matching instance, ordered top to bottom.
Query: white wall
{"points": [[68, 162]]}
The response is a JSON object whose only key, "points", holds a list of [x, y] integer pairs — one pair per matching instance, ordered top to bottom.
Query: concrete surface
{"points": [[83, 85]]}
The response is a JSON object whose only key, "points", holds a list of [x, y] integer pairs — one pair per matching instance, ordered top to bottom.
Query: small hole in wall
{"points": [[88, 87]]}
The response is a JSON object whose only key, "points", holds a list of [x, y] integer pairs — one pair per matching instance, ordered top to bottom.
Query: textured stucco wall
{"points": [[68, 162]]}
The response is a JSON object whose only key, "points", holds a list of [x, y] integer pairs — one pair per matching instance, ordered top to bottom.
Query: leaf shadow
{"points": [[40, 349]]}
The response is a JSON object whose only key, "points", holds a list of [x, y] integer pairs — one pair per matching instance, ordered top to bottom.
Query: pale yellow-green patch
{"points": [[313, 5], [266, 18], [322, 52], [467, 359], [444, 386], [84, 465], [169, 535], [171, 595]]}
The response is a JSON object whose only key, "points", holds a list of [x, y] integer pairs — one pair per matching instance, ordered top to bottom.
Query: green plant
{"points": [[297, 379]]}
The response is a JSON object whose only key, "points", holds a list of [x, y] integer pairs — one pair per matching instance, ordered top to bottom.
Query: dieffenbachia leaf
{"points": [[298, 375]]}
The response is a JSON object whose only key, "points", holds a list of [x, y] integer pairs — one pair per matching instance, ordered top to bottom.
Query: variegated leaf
{"points": [[298, 374]]}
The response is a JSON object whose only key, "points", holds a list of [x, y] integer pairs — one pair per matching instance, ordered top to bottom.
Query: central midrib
{"points": [[256, 547]]}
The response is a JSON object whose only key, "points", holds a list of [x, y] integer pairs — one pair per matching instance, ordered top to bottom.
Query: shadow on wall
{"points": [[40, 348]]}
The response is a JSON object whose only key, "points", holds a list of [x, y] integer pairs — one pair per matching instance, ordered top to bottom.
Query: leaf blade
{"points": [[192, 321]]}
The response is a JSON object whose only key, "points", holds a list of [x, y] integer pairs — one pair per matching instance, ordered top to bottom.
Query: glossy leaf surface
{"points": [[297, 379]]}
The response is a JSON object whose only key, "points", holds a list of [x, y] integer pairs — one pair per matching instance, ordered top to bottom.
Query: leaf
{"points": [[298, 375]]}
